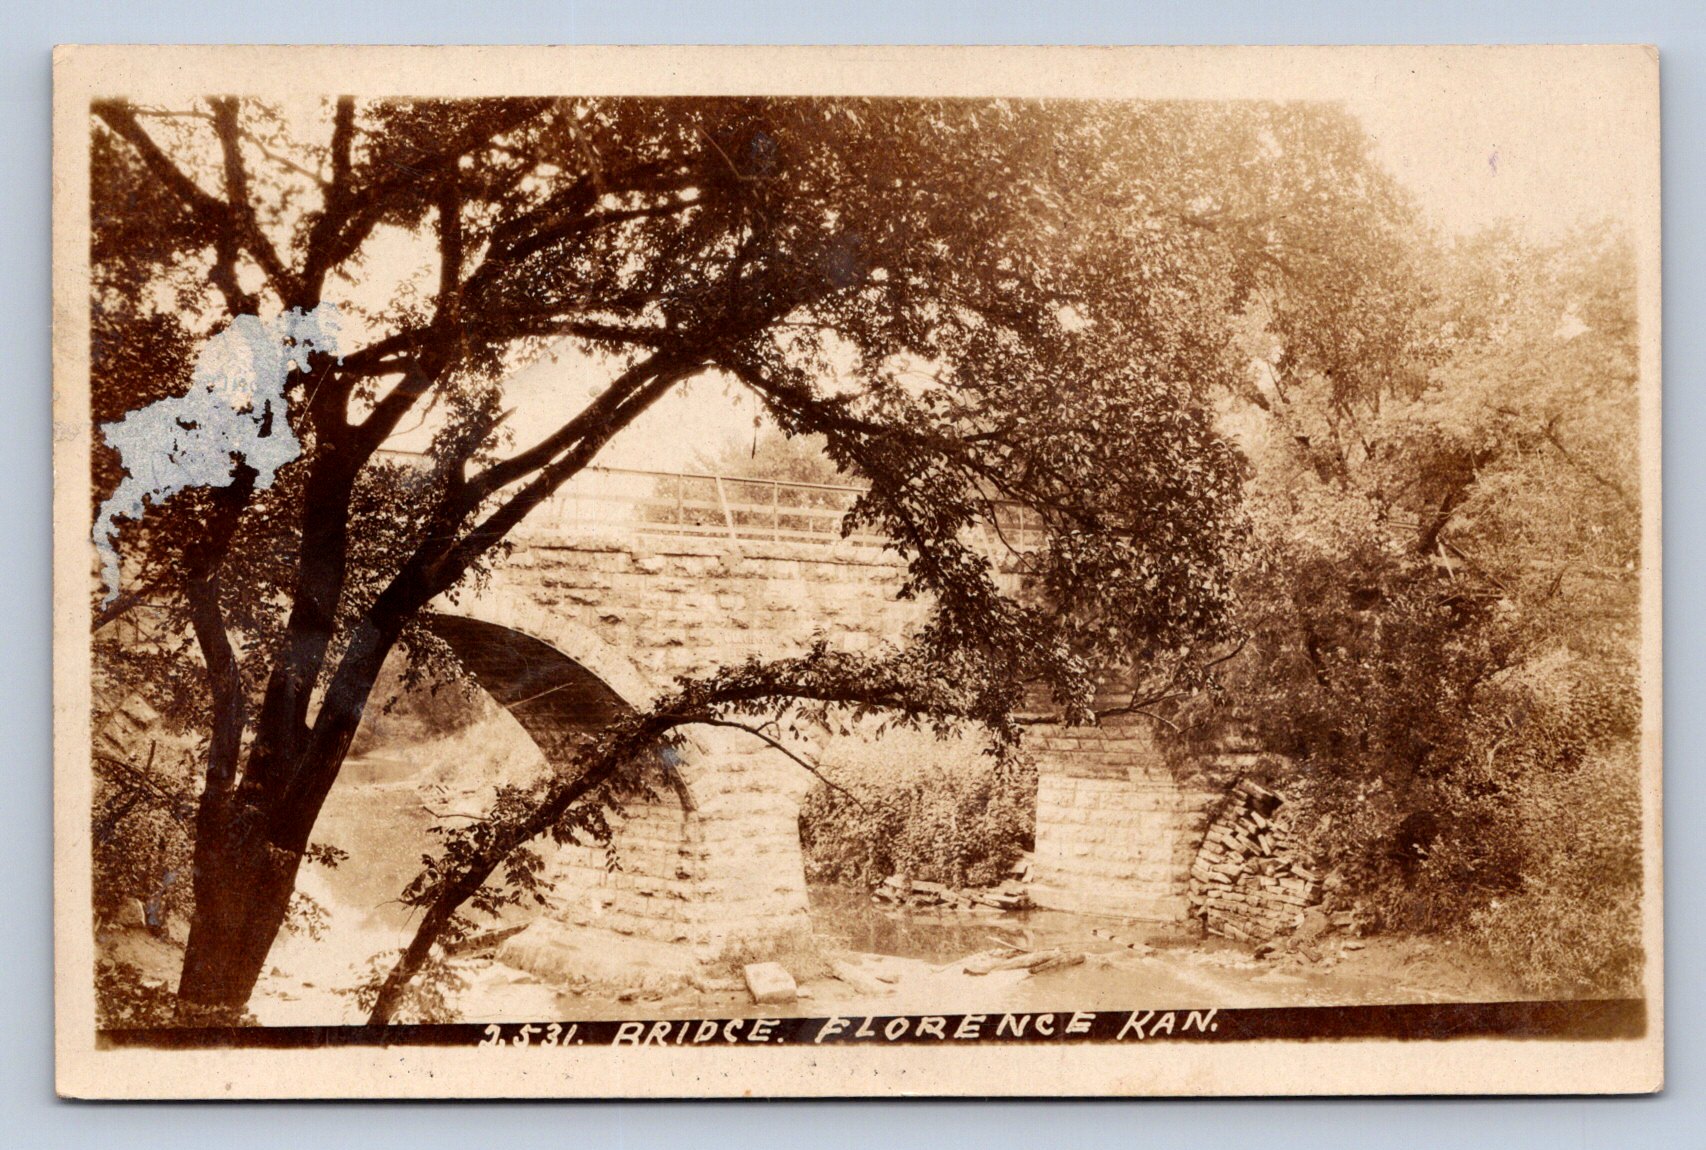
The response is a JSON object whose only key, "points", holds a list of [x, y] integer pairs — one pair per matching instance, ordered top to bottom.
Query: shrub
{"points": [[1467, 764], [938, 811], [1521, 831], [142, 833], [1572, 927], [125, 998]]}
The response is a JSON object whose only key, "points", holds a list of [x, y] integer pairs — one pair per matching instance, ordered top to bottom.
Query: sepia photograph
{"points": [[702, 572]]}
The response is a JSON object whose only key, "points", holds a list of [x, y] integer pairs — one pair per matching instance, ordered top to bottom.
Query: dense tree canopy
{"points": [[970, 302]]}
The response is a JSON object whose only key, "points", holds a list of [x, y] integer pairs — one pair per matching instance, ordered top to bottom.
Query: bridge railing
{"points": [[625, 500], [628, 501]]}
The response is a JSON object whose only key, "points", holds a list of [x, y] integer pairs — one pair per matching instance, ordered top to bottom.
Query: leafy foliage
{"points": [[772, 455], [1427, 546], [1441, 597], [958, 819], [143, 836], [1573, 926], [430, 997], [125, 998]]}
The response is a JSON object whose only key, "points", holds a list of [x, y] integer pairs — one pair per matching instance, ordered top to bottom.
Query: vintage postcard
{"points": [[660, 572]]}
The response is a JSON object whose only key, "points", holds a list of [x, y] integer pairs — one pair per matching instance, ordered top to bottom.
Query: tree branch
{"points": [[121, 117], [285, 162], [334, 204], [361, 208], [239, 211], [228, 236], [515, 249], [449, 306], [386, 356], [1550, 432], [504, 472], [552, 476], [435, 566], [207, 620], [811, 677], [1166, 693], [811, 770], [175, 805]]}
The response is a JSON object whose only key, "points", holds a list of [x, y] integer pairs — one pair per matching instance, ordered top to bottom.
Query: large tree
{"points": [[971, 302]]}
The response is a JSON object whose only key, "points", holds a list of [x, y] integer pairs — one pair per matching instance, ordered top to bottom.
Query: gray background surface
{"points": [[29, 1113]]}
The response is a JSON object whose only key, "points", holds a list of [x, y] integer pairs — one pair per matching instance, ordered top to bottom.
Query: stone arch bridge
{"points": [[628, 579]]}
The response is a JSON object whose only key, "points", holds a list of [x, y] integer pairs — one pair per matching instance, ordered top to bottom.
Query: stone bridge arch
{"points": [[710, 872]]}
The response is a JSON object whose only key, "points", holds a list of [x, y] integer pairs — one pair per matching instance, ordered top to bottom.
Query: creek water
{"points": [[846, 919]]}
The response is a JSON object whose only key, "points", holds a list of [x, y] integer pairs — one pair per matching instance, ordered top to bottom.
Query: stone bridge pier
{"points": [[1117, 827]]}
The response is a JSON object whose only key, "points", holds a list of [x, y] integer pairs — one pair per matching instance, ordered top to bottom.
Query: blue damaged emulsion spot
{"points": [[233, 413]]}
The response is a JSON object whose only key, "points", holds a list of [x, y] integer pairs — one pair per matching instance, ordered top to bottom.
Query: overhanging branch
{"points": [[799, 760]]}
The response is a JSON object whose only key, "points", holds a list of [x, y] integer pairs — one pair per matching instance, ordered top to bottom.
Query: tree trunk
{"points": [[249, 844], [243, 885], [414, 956]]}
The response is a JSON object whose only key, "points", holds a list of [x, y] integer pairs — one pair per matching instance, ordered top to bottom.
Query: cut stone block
{"points": [[769, 984]]}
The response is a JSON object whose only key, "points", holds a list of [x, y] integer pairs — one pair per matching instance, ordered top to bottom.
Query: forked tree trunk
{"points": [[250, 843]]}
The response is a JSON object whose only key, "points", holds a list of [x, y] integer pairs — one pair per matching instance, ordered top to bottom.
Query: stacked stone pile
{"points": [[1247, 882], [916, 894]]}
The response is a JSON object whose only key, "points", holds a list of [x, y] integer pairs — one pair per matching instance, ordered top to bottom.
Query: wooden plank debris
{"points": [[1248, 881], [899, 891]]}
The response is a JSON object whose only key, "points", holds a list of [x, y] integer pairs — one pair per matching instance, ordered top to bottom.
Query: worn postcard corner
{"points": [[856, 571]]}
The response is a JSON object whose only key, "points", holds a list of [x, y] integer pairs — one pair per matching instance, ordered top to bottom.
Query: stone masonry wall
{"points": [[687, 605], [1116, 832], [720, 876], [1248, 883]]}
